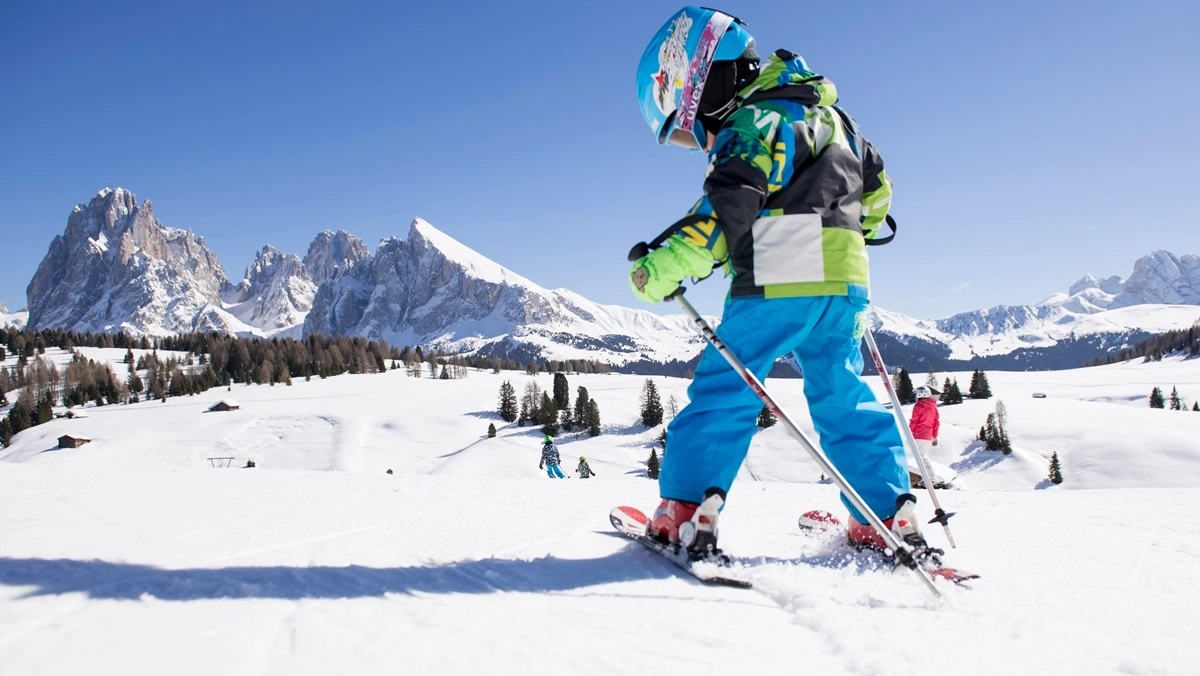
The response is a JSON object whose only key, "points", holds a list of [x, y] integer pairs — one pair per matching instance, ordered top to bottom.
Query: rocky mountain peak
{"points": [[332, 254], [116, 267], [275, 293]]}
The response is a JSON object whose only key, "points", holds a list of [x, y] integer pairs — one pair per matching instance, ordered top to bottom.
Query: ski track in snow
{"points": [[468, 560]]}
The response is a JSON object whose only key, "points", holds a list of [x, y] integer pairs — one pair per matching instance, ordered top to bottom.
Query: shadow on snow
{"points": [[127, 581]]}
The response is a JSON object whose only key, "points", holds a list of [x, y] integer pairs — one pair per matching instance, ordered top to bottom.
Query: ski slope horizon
{"points": [[466, 559]]}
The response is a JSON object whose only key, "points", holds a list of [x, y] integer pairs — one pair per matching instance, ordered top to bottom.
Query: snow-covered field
{"points": [[134, 555]]}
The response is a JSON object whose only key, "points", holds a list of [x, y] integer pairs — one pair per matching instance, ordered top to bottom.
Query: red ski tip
{"points": [[818, 520], [955, 576]]}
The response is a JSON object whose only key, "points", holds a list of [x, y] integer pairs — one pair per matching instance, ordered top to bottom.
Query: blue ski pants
{"points": [[710, 437], [554, 472]]}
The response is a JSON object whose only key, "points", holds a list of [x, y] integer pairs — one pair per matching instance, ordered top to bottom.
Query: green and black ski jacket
{"points": [[793, 190]]}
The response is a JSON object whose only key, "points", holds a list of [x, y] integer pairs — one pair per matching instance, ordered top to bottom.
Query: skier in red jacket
{"points": [[924, 425]]}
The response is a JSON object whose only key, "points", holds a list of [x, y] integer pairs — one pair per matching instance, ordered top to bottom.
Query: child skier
{"points": [[791, 194], [924, 425], [550, 459], [583, 469]]}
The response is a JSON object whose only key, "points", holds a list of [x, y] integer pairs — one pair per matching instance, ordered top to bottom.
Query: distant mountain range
{"points": [[117, 268]]}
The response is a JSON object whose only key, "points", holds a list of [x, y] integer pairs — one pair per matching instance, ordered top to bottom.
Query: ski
{"points": [[632, 523], [821, 524]]}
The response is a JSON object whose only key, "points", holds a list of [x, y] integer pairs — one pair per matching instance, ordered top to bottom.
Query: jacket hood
{"points": [[786, 70]]}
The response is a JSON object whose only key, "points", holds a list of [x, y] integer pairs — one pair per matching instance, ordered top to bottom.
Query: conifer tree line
{"points": [[1182, 341], [213, 360], [950, 393], [1157, 400], [552, 411]]}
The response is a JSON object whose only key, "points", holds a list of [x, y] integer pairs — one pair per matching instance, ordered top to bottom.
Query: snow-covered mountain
{"points": [[332, 253], [116, 268], [430, 289], [276, 293], [14, 319], [1065, 330]]}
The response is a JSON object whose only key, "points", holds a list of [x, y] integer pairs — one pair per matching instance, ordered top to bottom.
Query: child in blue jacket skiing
{"points": [[792, 194], [550, 459]]}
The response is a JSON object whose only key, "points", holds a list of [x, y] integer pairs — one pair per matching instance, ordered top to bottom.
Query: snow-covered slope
{"points": [[468, 560]]}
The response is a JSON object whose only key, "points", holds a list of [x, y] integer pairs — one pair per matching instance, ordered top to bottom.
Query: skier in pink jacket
{"points": [[924, 425]]}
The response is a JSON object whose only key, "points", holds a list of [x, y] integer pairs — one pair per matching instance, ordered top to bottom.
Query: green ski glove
{"points": [[659, 273]]}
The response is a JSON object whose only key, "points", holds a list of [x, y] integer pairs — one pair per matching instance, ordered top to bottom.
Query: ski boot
{"points": [[903, 524], [688, 526]]}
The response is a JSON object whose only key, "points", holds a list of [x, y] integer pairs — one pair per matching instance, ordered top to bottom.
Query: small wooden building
{"points": [[225, 405], [69, 441]]}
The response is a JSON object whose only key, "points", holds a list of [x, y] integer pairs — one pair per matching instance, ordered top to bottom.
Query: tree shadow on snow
{"points": [[977, 458], [128, 581]]}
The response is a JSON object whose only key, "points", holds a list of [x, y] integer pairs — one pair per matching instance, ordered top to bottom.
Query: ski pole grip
{"points": [[640, 249]]}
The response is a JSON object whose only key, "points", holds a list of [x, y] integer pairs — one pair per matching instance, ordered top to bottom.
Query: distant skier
{"points": [[792, 194], [924, 425], [550, 459], [583, 470]]}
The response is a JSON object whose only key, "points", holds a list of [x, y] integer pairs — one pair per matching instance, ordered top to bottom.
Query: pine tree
{"points": [[904, 387], [979, 388], [562, 392], [956, 396], [944, 397], [1156, 399], [508, 402], [1176, 402], [1196, 405], [581, 406], [652, 409], [547, 416], [766, 418], [592, 419], [491, 430], [5, 433], [990, 434], [652, 465], [1055, 469]]}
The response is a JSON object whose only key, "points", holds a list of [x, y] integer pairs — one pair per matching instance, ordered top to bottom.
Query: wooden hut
{"points": [[70, 441]]}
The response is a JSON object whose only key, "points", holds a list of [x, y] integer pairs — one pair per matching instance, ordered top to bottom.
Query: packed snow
{"points": [[466, 559]]}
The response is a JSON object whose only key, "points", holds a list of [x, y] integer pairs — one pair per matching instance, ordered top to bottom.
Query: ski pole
{"points": [[940, 515], [902, 553]]}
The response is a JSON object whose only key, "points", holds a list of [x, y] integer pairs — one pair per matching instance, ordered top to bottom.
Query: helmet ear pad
{"points": [[725, 80]]}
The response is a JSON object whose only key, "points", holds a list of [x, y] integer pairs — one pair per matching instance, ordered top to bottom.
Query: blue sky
{"points": [[1030, 142]]}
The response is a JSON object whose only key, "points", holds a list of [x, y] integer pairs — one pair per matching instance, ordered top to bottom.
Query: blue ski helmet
{"points": [[675, 66]]}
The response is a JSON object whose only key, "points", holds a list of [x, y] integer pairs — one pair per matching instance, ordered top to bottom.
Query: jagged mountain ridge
{"points": [[118, 268], [429, 289], [1067, 329]]}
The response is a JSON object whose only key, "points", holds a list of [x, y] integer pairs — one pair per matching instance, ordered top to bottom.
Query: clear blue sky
{"points": [[1030, 142]]}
